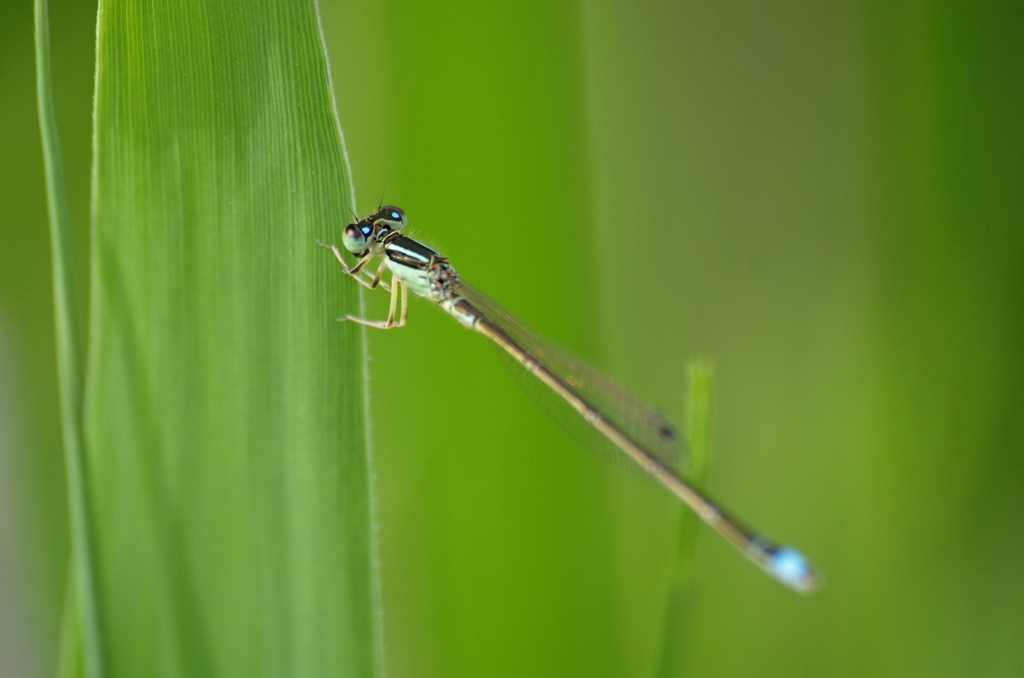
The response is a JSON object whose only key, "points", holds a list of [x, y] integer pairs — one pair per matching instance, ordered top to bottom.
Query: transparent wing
{"points": [[642, 423]]}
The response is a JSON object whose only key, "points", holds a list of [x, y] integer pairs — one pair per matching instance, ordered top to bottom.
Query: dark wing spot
{"points": [[667, 432]]}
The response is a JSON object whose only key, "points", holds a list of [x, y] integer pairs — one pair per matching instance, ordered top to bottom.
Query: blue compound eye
{"points": [[392, 216], [355, 238]]}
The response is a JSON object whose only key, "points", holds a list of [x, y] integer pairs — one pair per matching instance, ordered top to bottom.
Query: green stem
{"points": [[69, 370], [681, 586]]}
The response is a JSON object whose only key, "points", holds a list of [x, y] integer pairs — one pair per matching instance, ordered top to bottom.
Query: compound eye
{"points": [[392, 216], [355, 237]]}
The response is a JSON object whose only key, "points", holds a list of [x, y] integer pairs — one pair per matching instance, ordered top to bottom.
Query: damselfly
{"points": [[635, 429]]}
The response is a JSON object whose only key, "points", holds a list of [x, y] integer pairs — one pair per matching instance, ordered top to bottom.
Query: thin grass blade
{"points": [[680, 599], [81, 628]]}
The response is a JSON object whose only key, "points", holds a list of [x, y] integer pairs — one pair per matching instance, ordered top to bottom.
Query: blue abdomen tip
{"points": [[794, 570]]}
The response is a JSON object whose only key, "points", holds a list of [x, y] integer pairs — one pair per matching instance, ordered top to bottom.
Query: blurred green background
{"points": [[825, 199]]}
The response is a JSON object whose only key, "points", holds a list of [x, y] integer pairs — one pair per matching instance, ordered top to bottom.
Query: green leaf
{"points": [[225, 419], [682, 585], [81, 627]]}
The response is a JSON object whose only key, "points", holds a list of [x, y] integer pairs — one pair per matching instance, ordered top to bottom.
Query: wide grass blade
{"points": [[225, 429]]}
